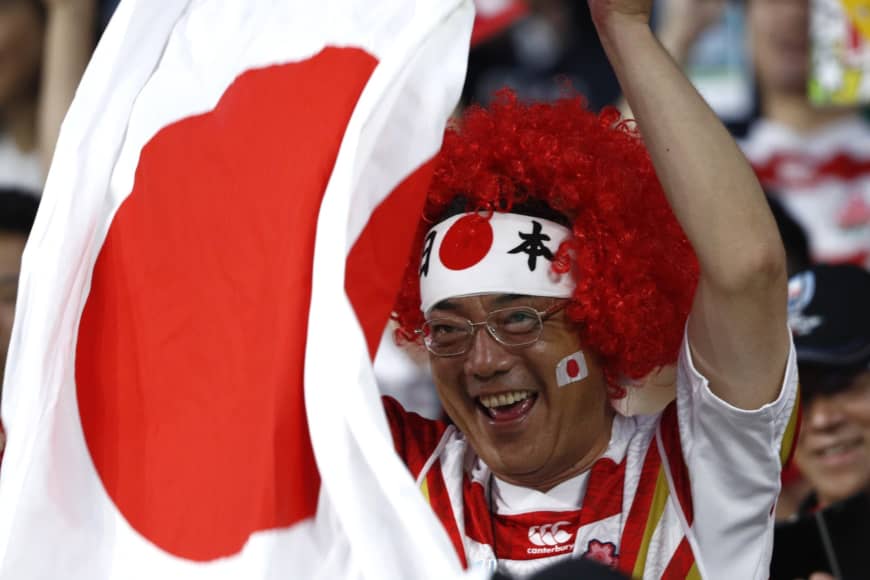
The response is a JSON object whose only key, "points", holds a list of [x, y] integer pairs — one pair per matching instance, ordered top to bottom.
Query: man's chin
{"points": [[511, 460], [517, 472]]}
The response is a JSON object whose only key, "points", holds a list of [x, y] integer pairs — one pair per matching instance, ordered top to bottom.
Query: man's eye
{"points": [[518, 317], [518, 321], [441, 329], [446, 333]]}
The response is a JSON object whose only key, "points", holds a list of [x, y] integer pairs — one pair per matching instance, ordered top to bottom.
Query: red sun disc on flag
{"points": [[466, 243], [189, 362], [572, 368]]}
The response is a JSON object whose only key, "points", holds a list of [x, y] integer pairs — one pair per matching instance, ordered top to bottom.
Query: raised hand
{"points": [[612, 12], [683, 21]]}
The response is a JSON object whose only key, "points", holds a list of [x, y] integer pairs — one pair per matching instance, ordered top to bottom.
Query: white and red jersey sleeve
{"points": [[724, 467]]}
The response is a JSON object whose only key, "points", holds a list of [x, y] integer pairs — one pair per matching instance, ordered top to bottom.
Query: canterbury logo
{"points": [[549, 534]]}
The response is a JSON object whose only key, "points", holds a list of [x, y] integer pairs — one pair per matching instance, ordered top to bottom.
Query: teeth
{"points": [[504, 399], [833, 450]]}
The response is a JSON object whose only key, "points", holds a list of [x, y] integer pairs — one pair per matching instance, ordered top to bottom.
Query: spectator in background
{"points": [[45, 45], [554, 45], [817, 160], [17, 212], [829, 312]]}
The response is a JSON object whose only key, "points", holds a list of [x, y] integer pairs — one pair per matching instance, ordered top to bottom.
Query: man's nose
{"points": [[486, 357], [825, 412]]}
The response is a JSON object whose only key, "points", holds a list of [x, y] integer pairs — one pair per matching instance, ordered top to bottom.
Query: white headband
{"points": [[508, 253]]}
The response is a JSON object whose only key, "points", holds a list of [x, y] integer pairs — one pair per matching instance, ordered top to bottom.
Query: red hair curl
{"points": [[636, 272]]}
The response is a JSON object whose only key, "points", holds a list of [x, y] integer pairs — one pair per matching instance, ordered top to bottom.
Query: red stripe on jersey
{"points": [[855, 39], [795, 170], [858, 258], [670, 431], [414, 437], [604, 492], [439, 500], [477, 518], [635, 524], [681, 562]]}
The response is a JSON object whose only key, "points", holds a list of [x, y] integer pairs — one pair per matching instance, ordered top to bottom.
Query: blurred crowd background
{"points": [[762, 66]]}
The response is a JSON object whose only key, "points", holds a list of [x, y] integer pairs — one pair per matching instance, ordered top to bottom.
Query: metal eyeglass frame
{"points": [[542, 315]]}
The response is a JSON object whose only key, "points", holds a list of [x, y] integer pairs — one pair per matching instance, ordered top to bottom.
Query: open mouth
{"points": [[505, 407], [839, 449], [841, 455]]}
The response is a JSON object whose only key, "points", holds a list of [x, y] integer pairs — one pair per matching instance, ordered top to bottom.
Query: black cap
{"points": [[829, 316]]}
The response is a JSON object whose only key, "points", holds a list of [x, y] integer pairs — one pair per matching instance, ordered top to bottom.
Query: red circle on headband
{"points": [[466, 243]]}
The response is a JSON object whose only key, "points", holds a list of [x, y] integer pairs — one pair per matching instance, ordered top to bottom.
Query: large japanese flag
{"points": [[189, 391]]}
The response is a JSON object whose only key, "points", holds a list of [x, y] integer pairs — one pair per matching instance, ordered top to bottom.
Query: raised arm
{"points": [[737, 327]]}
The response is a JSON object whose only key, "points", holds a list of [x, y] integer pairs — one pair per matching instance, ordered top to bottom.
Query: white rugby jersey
{"points": [[822, 178], [685, 493]]}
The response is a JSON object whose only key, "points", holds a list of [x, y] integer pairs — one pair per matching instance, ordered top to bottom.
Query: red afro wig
{"points": [[636, 272]]}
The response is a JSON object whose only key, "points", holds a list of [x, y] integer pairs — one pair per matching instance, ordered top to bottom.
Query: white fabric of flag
{"points": [[189, 391]]}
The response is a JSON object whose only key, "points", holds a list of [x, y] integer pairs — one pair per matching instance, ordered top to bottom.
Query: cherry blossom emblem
{"points": [[602, 552]]}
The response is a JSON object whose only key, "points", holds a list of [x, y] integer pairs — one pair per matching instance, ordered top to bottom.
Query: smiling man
{"points": [[551, 278], [830, 317]]}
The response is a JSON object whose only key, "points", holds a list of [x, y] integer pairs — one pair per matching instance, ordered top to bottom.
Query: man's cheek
{"points": [[800, 454]]}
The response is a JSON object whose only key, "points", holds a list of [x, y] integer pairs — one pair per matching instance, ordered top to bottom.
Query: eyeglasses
{"points": [[515, 326]]}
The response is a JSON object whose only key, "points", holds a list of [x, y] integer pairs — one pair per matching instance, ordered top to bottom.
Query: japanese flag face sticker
{"points": [[571, 369]]}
